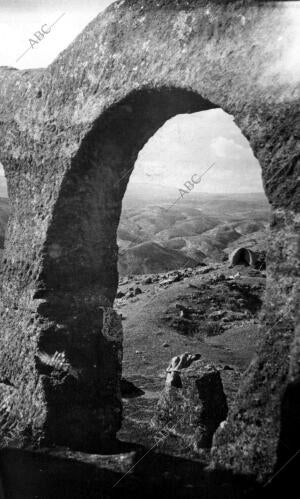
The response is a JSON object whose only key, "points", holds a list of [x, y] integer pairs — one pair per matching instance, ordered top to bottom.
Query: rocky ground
{"points": [[210, 310]]}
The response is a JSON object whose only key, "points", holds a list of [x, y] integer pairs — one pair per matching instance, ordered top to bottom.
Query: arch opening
{"points": [[80, 278], [178, 291]]}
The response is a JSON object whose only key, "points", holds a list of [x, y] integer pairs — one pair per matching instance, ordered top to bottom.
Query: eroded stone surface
{"points": [[69, 138], [192, 405], [257, 423]]}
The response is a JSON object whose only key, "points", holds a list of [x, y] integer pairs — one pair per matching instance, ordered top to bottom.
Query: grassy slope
{"points": [[150, 341]]}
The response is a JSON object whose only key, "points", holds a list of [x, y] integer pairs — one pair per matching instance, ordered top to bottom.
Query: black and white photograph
{"points": [[149, 249]]}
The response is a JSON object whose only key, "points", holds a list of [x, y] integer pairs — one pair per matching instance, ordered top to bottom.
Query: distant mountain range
{"points": [[199, 226], [156, 235]]}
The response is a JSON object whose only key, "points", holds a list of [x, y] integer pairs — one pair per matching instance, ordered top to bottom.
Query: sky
{"points": [[20, 19], [186, 145]]}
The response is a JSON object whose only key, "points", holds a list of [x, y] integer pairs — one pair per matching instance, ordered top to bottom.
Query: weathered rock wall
{"points": [[69, 136]]}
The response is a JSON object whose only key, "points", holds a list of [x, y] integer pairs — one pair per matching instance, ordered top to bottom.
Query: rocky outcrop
{"points": [[69, 137], [193, 403], [252, 438]]}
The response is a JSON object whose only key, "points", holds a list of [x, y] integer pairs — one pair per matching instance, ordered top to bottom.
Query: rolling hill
{"points": [[200, 227], [154, 236], [150, 257]]}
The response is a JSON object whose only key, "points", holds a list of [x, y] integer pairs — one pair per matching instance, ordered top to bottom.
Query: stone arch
{"points": [[227, 54], [102, 168], [79, 276]]}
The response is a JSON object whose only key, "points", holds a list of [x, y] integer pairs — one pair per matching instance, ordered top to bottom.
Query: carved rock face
{"points": [[69, 138]]}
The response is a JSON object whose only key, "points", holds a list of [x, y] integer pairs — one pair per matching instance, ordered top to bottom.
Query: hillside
{"points": [[203, 227], [158, 236], [150, 257], [222, 325]]}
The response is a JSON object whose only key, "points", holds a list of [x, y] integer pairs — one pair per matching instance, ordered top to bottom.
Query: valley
{"points": [[153, 237]]}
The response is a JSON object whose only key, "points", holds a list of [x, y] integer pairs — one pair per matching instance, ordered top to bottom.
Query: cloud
{"points": [[187, 144], [227, 148]]}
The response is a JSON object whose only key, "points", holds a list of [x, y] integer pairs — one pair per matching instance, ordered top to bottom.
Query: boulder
{"points": [[205, 270], [172, 277], [192, 404]]}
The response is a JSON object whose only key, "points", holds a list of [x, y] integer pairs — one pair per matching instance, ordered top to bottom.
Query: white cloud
{"points": [[188, 144], [227, 148]]}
